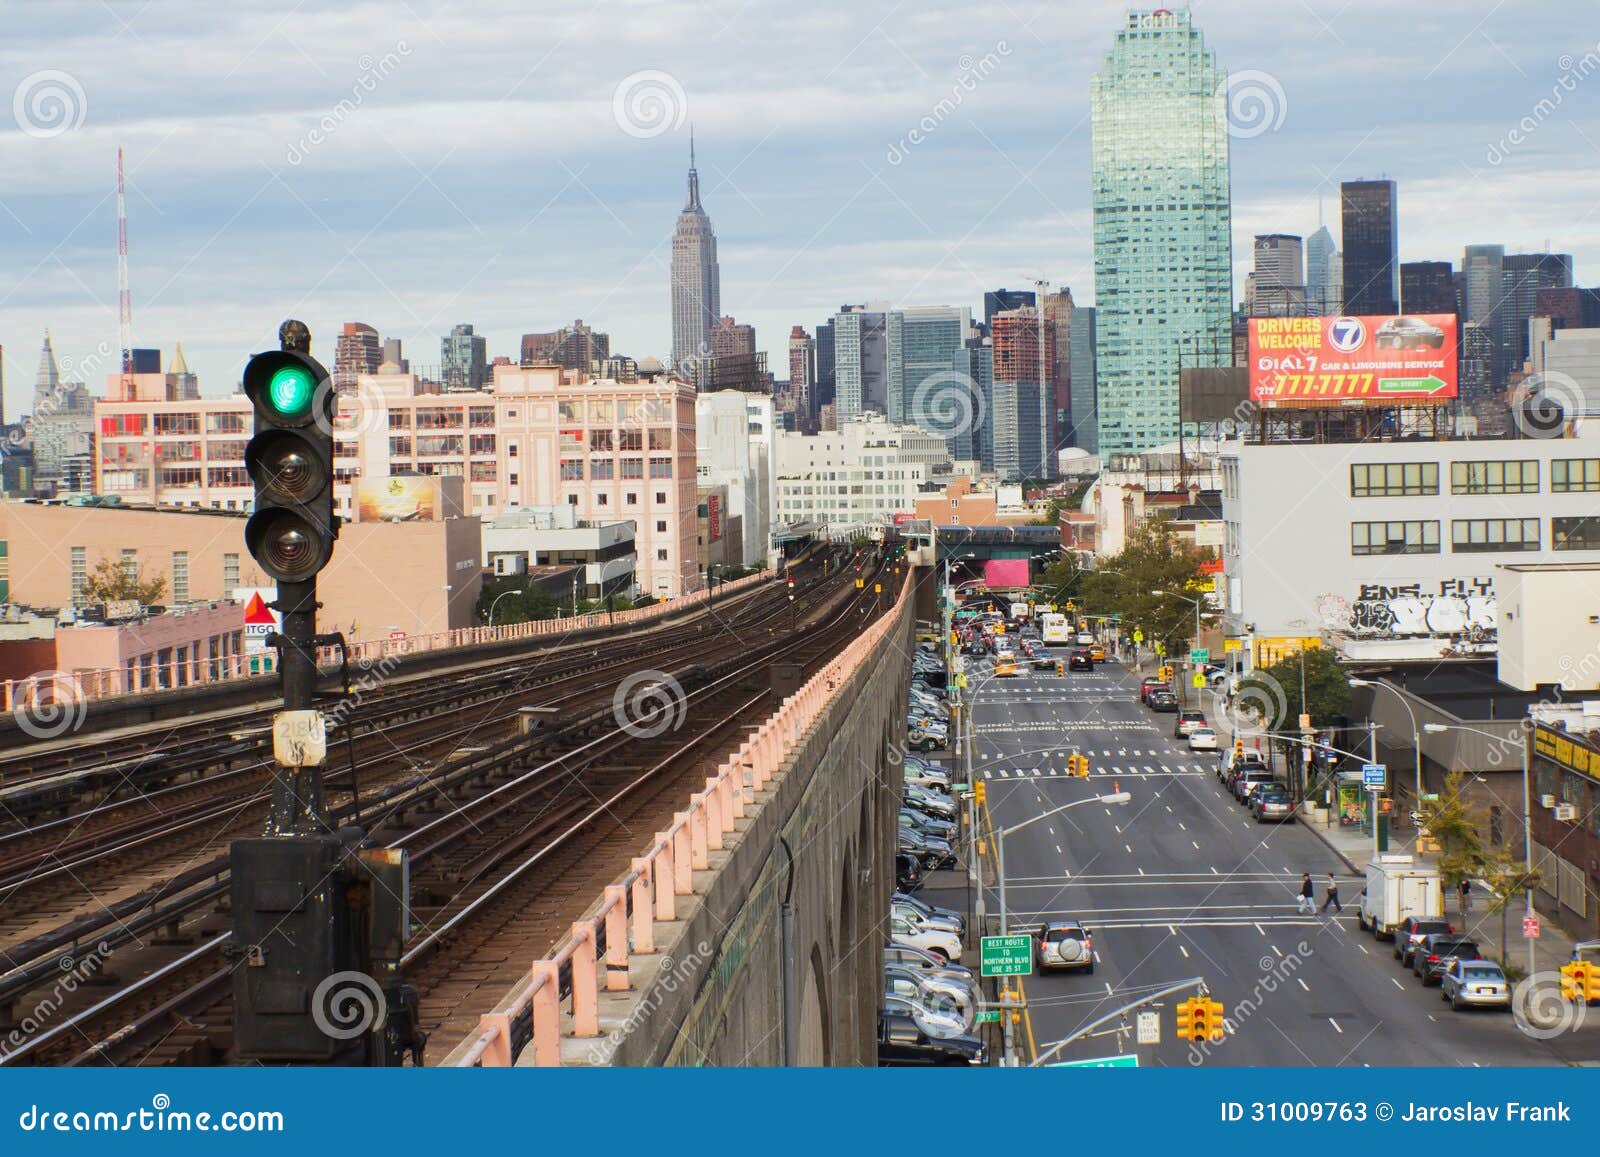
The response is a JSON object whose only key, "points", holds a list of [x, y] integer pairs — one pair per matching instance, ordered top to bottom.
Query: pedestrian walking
{"points": [[1332, 896], [1466, 896], [1307, 905]]}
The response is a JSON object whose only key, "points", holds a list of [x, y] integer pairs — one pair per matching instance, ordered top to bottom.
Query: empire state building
{"points": [[696, 283]]}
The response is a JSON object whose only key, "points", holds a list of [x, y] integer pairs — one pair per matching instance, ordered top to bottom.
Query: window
{"points": [[481, 417], [399, 419], [178, 424], [630, 439], [660, 439], [600, 442], [480, 444], [400, 447], [511, 449], [633, 467], [661, 467], [602, 469], [572, 470], [482, 472], [1569, 475], [1517, 477], [1393, 479], [511, 480], [661, 497], [631, 498], [602, 500], [661, 526], [1575, 533], [1479, 535], [1394, 538], [79, 556], [661, 556], [130, 564], [230, 574], [180, 576]]}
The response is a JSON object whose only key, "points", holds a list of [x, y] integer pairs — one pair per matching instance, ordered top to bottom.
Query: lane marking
{"points": [[1196, 844], [1058, 849], [1261, 930], [1183, 950], [1278, 950], [1302, 984], [1397, 984], [1335, 1025]]}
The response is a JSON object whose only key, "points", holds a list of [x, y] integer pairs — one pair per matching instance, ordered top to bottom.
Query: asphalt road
{"points": [[1181, 882]]}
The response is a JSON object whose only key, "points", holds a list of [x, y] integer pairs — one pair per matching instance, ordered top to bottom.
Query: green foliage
{"points": [[1155, 559], [111, 581], [1059, 581], [520, 604], [1327, 684], [1458, 827]]}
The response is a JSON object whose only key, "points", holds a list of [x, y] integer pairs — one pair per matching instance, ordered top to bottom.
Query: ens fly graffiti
{"points": [[1454, 608]]}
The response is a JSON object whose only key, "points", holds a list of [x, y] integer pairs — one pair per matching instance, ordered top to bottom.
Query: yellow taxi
{"points": [[1097, 652], [1005, 665]]}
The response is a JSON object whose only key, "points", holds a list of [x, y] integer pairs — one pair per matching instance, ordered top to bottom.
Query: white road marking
{"points": [[1169, 807], [1180, 823], [1196, 844], [1058, 849], [1130, 852], [1214, 872], [1172, 930], [1261, 930], [1363, 948], [1183, 950], [1278, 950], [1302, 984], [1397, 984], [1335, 1025]]}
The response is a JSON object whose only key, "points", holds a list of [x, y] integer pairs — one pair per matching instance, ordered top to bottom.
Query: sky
{"points": [[415, 164]]}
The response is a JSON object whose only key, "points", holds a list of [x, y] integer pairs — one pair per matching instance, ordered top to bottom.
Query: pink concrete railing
{"points": [[86, 684], [648, 892]]}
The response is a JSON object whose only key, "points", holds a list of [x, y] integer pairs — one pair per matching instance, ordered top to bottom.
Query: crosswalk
{"points": [[1125, 771]]}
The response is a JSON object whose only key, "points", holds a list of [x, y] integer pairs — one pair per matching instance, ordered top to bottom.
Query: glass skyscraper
{"points": [[1162, 223], [930, 335]]}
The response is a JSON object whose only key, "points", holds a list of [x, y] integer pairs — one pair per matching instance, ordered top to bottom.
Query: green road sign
{"points": [[1427, 385], [1200, 655], [960, 787], [1006, 956], [987, 1016], [1128, 1062]]}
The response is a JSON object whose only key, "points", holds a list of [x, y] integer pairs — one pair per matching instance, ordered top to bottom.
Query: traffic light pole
{"points": [[297, 799], [1195, 982]]}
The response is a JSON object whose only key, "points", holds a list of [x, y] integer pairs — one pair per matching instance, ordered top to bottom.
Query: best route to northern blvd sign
{"points": [[1006, 956], [1130, 1061]]}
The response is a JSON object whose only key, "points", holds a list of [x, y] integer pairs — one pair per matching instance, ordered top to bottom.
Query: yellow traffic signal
{"points": [[860, 583], [1078, 765], [980, 793], [1580, 982], [1214, 1015], [1186, 1019]]}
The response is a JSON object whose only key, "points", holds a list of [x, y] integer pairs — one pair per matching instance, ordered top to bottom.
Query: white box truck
{"points": [[1397, 887]]}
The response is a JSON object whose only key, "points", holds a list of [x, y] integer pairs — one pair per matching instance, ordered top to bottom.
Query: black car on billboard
{"points": [[1408, 333]]}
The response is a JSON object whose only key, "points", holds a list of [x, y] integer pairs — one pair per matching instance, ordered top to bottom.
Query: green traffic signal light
{"points": [[291, 390]]}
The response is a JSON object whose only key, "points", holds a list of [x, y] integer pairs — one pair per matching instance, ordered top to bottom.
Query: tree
{"points": [[1154, 559], [115, 581], [1059, 581], [520, 604], [1327, 687], [1458, 827], [1505, 874]]}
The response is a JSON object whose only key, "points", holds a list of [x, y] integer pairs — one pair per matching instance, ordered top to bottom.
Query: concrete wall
{"points": [[715, 996]]}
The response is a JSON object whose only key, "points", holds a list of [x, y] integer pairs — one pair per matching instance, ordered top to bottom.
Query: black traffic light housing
{"points": [[290, 461]]}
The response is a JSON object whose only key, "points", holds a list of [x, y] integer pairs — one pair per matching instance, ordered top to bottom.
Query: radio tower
{"points": [[124, 297]]}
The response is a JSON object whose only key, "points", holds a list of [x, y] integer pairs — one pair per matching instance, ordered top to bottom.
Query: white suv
{"points": [[939, 941]]}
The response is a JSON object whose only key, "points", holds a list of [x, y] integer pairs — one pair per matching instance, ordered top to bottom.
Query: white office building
{"points": [[733, 448], [862, 474], [1390, 549]]}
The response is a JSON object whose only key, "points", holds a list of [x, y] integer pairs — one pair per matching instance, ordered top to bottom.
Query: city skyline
{"points": [[810, 210]]}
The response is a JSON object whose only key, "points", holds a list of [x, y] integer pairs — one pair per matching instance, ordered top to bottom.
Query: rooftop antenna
{"points": [[124, 297]]}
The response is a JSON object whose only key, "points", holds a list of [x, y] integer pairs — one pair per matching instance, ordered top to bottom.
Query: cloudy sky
{"points": [[418, 163]]}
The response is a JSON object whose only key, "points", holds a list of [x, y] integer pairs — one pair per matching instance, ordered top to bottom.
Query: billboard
{"points": [[1353, 361], [398, 498], [713, 518], [1001, 574]]}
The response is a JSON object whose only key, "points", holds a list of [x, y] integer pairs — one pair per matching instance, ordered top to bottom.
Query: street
{"points": [[1181, 882]]}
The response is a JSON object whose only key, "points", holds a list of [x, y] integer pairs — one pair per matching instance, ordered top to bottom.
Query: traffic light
{"points": [[290, 461], [1238, 749], [1078, 765], [980, 793], [1580, 982], [1186, 1018], [1209, 1026]]}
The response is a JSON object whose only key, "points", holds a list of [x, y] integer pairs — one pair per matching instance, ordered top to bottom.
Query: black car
{"points": [[1081, 660], [1162, 700], [907, 872], [1412, 931], [1438, 952], [901, 1042]]}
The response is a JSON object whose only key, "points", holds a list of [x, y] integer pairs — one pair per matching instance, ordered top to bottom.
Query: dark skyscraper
{"points": [[1371, 244], [1525, 275], [1427, 287], [1000, 300]]}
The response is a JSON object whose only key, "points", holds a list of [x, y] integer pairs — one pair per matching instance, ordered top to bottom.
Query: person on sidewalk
{"points": [[1332, 896], [1466, 897], [1307, 905]]}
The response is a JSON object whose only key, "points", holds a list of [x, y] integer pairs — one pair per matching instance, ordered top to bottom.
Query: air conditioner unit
{"points": [[1547, 801], [1566, 812]]}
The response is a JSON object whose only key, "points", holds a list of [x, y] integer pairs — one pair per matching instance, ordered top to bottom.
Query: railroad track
{"points": [[521, 815]]}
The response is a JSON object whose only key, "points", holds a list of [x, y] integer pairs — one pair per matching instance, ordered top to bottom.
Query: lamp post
{"points": [[497, 599], [1196, 644], [1416, 736], [1527, 816]]}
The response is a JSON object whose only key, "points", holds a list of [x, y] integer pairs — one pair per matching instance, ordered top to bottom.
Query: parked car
{"points": [[1080, 660], [1148, 684], [1162, 700], [1188, 720], [925, 735], [1203, 739], [1230, 762], [920, 774], [1247, 783], [930, 800], [1271, 802], [927, 825], [934, 853], [907, 872], [933, 912], [909, 930], [1412, 931], [1064, 944], [1438, 952], [909, 957], [1475, 983], [941, 993], [936, 1023], [902, 1042]]}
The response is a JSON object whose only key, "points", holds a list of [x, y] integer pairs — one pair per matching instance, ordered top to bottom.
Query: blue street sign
{"points": [[1374, 775]]}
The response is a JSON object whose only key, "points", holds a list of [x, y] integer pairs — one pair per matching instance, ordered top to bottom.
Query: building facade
{"points": [[1162, 221], [1371, 228], [1324, 274], [1280, 278], [696, 281], [1427, 287], [574, 347], [358, 351], [463, 359], [733, 449], [862, 474]]}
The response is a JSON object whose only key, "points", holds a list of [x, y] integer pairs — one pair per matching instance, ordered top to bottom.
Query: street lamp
{"points": [[497, 599], [1187, 599], [1416, 738], [1119, 797], [1527, 816]]}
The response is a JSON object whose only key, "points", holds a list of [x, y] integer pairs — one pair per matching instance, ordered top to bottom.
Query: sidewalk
{"points": [[1354, 847]]}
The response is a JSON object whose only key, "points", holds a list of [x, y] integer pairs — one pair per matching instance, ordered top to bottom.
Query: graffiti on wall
{"points": [[1461, 611]]}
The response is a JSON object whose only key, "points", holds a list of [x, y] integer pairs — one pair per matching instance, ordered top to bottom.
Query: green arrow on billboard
{"points": [[1427, 385]]}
